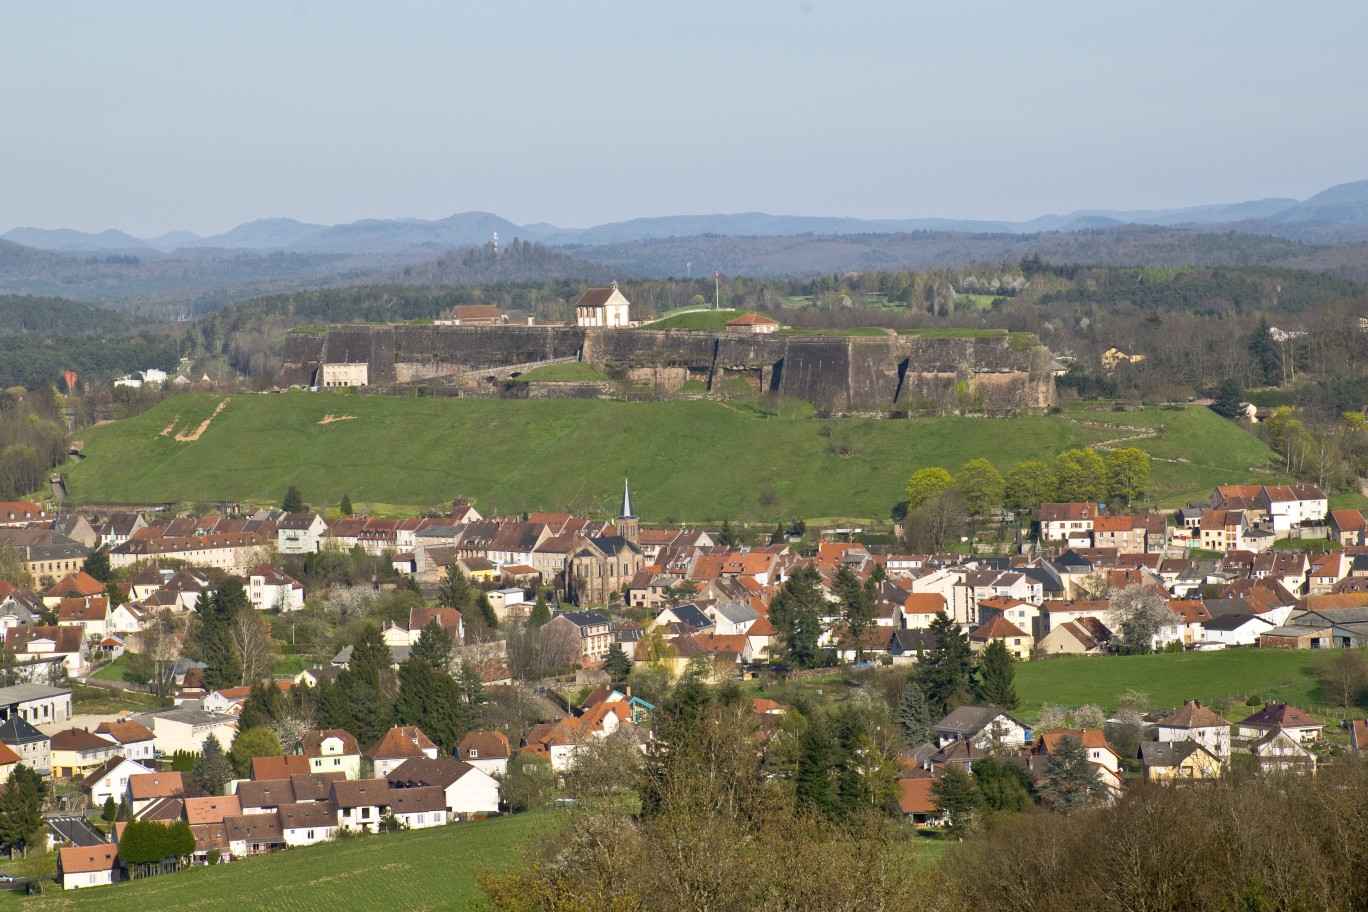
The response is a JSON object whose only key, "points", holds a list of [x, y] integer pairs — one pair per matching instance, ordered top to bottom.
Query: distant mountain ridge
{"points": [[1345, 204]]}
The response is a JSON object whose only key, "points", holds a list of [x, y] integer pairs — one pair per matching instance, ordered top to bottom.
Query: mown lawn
{"points": [[693, 461], [1169, 679], [429, 869]]}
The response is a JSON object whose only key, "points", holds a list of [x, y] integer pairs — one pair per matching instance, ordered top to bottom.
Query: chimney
{"points": [[629, 691]]}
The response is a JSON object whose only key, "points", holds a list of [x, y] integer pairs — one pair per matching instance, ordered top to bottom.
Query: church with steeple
{"points": [[602, 567]]}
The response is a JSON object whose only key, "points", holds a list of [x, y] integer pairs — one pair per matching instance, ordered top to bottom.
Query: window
{"points": [[310, 834]]}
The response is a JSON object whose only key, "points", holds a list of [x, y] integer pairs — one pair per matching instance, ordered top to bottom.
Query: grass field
{"points": [[710, 320], [573, 370], [694, 461], [1169, 679], [430, 869]]}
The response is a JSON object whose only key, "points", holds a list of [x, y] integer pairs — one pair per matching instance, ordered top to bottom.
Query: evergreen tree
{"points": [[1228, 399], [293, 502], [345, 508], [727, 537], [97, 566], [455, 591], [859, 604], [487, 611], [540, 613], [796, 613], [215, 638], [434, 647], [370, 657], [617, 663], [945, 669], [995, 682], [471, 685], [430, 700], [265, 704], [333, 711], [370, 714], [914, 716], [250, 744], [212, 770], [1071, 780], [1003, 786], [814, 793], [957, 798], [21, 808], [110, 812]]}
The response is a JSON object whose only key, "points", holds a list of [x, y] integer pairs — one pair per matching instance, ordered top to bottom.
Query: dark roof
{"points": [[690, 614], [585, 618], [909, 640], [970, 720], [17, 731], [78, 739], [1167, 753], [421, 771], [266, 793], [350, 793], [416, 800], [315, 814], [258, 827]]}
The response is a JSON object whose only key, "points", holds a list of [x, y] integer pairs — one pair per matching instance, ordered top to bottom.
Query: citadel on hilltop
{"points": [[988, 372]]}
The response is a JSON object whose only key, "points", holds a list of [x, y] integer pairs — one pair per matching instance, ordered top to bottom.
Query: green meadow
{"points": [[692, 461]]}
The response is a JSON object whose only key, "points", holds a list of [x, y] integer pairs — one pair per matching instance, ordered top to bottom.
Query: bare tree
{"points": [[1137, 612], [254, 645], [560, 645], [1345, 674]]}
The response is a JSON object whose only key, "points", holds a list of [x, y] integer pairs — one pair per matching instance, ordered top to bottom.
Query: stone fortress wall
{"points": [[835, 373]]}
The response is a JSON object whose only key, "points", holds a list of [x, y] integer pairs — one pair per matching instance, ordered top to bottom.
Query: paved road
{"points": [[76, 829]]}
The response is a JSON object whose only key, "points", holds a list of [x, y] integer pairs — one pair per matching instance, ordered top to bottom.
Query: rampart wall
{"points": [[832, 372]]}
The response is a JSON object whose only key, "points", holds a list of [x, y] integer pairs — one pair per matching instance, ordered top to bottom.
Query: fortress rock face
{"points": [[835, 373]]}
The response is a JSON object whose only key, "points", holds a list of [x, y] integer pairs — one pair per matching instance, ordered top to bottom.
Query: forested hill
{"points": [[518, 261], [40, 316]]}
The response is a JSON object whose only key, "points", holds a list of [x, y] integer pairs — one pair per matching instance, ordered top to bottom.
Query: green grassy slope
{"points": [[686, 460], [1170, 679], [422, 869]]}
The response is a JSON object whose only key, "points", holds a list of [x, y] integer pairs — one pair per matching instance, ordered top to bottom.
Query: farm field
{"points": [[693, 461], [1169, 679], [430, 869]]}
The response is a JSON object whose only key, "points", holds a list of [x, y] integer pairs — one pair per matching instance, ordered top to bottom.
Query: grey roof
{"points": [[611, 545], [1218, 607], [736, 612], [690, 614], [586, 618], [1232, 620], [909, 640], [398, 655], [22, 693], [183, 715], [970, 720], [18, 731], [1167, 753], [416, 772]]}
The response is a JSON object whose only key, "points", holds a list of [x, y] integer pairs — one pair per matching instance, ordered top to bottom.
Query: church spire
{"points": [[626, 502]]}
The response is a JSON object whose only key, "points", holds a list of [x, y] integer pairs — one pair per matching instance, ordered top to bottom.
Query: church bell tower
{"points": [[627, 523]]}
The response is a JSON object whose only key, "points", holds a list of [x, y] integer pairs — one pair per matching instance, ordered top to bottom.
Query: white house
{"points": [[602, 307], [1292, 505], [1071, 523], [300, 533], [269, 588], [1234, 629], [1194, 722], [982, 726], [179, 728], [136, 741], [397, 746], [487, 751], [110, 780], [466, 791], [360, 803], [419, 807], [307, 823], [89, 866]]}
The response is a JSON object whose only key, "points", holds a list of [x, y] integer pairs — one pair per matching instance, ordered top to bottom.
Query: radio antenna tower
{"points": [[496, 243]]}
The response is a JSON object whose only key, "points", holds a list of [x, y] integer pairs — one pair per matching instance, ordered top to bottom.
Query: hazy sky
{"points": [[153, 116]]}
